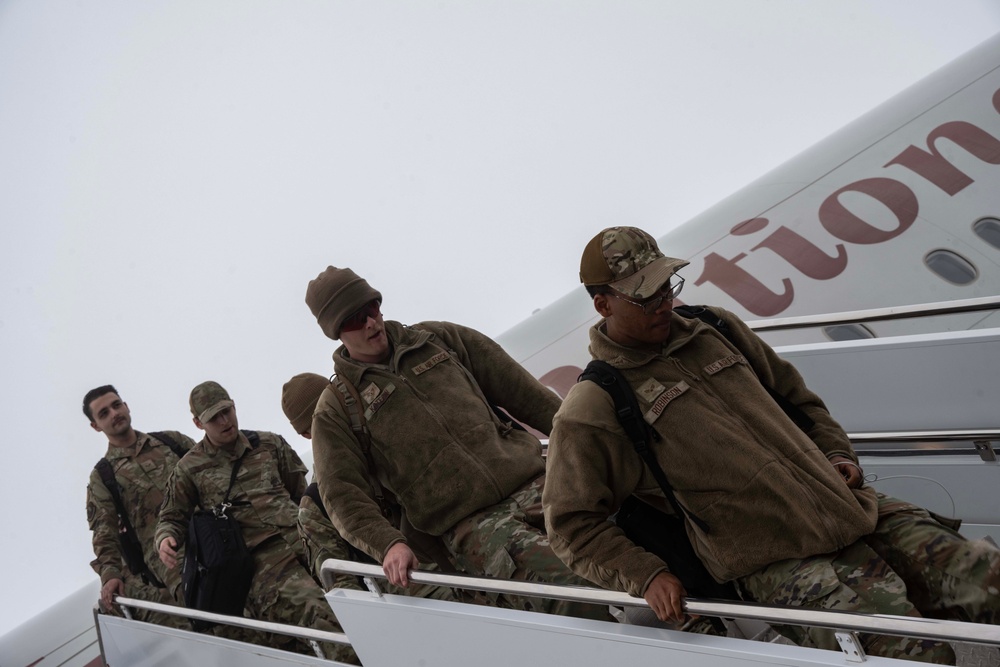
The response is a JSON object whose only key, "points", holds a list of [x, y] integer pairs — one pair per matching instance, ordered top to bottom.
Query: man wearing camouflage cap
{"points": [[461, 472], [270, 480], [781, 510]]}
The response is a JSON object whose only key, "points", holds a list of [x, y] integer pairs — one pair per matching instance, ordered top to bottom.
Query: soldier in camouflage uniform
{"points": [[141, 464], [459, 470], [270, 480], [784, 513], [319, 538]]}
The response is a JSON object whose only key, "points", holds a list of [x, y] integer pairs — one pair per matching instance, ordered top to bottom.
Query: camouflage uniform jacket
{"points": [[436, 443], [142, 472], [272, 478], [766, 490], [321, 541]]}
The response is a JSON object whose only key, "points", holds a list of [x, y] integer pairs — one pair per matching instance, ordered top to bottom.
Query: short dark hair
{"points": [[594, 290], [96, 393]]}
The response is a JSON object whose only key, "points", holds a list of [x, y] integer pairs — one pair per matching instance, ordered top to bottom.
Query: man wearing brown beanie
{"points": [[414, 405], [319, 537]]}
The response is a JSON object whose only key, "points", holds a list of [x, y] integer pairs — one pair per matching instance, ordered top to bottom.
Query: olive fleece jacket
{"points": [[436, 444], [766, 490]]}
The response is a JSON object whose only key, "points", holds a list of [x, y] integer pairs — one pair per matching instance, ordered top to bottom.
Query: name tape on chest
{"points": [[725, 362], [430, 363], [664, 399], [379, 401]]}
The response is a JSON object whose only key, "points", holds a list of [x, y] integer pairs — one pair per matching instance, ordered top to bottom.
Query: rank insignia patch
{"points": [[649, 390], [370, 393]]}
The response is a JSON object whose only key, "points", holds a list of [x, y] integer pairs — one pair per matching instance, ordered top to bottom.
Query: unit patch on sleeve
{"points": [[725, 362], [430, 363], [649, 390], [660, 404]]}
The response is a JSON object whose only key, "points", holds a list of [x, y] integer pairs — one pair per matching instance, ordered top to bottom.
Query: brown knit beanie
{"points": [[336, 294], [299, 397]]}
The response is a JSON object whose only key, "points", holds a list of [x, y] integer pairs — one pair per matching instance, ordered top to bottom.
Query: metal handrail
{"points": [[879, 314], [945, 435], [913, 436], [238, 621], [925, 628]]}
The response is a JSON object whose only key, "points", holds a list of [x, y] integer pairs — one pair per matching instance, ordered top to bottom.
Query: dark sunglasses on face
{"points": [[360, 318]]}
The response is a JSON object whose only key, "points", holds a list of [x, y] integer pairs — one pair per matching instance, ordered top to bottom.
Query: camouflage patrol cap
{"points": [[628, 260], [336, 294], [299, 397], [209, 399]]}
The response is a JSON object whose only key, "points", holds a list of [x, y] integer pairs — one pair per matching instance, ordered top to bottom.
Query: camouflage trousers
{"points": [[508, 541], [911, 565], [136, 588], [283, 591]]}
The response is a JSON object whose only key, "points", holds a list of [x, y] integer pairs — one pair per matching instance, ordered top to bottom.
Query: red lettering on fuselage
{"points": [[936, 169], [846, 225]]}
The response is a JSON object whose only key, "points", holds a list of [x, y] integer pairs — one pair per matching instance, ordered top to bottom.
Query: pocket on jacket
{"points": [[449, 479]]}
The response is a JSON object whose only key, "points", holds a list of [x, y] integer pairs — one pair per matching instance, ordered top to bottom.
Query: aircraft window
{"points": [[988, 229], [951, 266], [840, 332]]}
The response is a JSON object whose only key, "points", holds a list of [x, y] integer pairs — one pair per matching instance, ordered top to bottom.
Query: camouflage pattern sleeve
{"points": [[782, 376], [503, 381], [293, 470], [179, 501], [103, 520], [321, 541]]}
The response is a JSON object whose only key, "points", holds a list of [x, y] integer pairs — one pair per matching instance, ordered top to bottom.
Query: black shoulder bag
{"points": [[655, 531], [218, 567]]}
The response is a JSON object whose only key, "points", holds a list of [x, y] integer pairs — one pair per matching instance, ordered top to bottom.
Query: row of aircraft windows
{"points": [[947, 264]]}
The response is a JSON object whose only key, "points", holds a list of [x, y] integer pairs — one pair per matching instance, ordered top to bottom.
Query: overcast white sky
{"points": [[175, 172]]}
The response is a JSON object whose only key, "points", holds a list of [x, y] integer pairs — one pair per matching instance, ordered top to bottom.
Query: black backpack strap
{"points": [[610, 379], [351, 402], [801, 419], [165, 438], [313, 492], [131, 548]]}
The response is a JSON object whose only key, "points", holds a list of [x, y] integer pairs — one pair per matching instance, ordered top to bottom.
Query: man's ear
{"points": [[602, 305], [197, 422], [94, 426]]}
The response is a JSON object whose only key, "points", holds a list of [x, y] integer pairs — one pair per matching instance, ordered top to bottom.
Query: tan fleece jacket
{"points": [[436, 444], [766, 490]]}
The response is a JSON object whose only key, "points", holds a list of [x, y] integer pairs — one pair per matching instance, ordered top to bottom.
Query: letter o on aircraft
{"points": [[847, 226]]}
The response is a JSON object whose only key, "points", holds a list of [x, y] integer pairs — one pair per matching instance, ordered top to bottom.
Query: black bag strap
{"points": [[610, 379], [801, 419], [165, 438], [220, 509], [131, 547]]}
